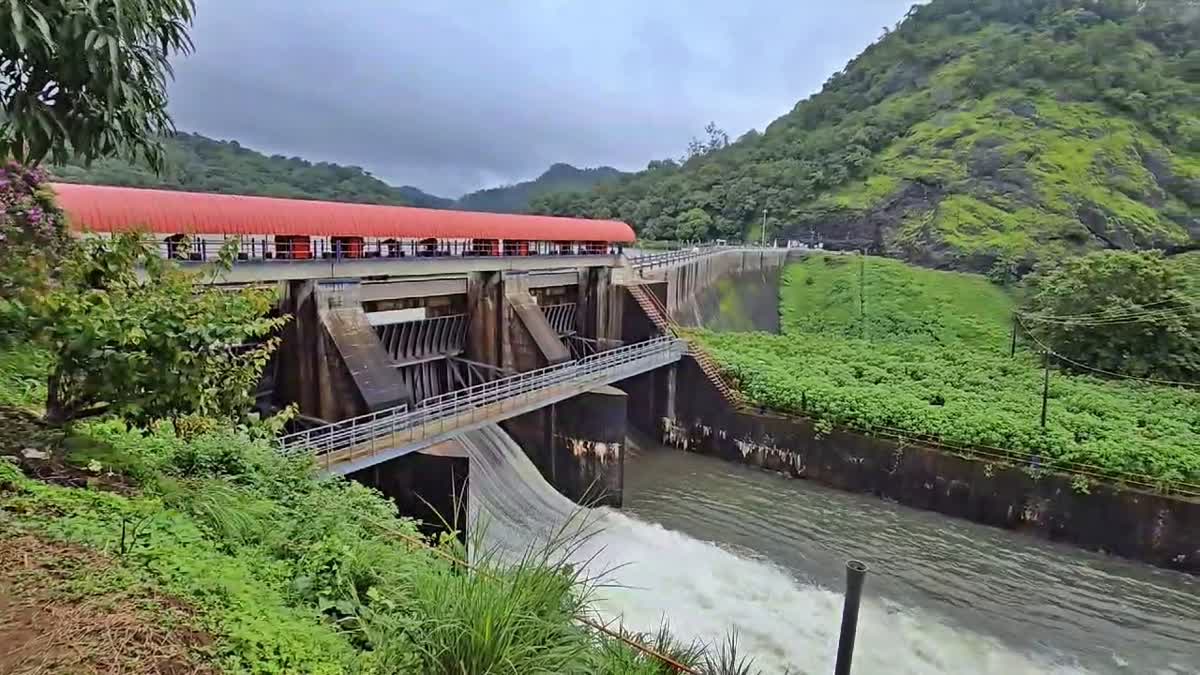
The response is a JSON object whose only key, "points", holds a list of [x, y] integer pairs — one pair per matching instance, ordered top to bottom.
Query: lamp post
{"points": [[763, 235]]}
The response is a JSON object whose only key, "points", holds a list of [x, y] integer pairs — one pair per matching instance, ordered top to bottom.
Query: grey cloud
{"points": [[451, 97]]}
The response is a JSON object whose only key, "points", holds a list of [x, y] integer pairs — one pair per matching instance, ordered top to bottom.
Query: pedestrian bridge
{"points": [[360, 442]]}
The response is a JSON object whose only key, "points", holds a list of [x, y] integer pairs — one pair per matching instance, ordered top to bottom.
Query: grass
{"points": [[821, 295], [930, 357], [285, 571]]}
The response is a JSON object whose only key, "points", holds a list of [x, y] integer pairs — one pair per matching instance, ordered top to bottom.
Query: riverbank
{"points": [[897, 381], [943, 595]]}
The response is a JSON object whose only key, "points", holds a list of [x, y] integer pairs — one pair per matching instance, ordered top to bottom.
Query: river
{"points": [[711, 546]]}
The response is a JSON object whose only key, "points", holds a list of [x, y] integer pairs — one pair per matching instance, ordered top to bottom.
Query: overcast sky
{"points": [[454, 96]]}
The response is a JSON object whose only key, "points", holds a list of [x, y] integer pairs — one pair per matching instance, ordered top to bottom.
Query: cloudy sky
{"points": [[452, 96]]}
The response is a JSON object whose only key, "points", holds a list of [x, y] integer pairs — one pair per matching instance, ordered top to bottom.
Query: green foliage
{"points": [[88, 79], [976, 132], [200, 164], [516, 198], [33, 242], [1117, 311], [132, 334], [934, 362], [23, 375]]}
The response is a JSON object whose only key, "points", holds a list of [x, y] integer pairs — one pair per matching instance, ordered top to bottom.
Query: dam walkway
{"points": [[360, 442]]}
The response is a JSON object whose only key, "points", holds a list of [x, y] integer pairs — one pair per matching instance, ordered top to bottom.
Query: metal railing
{"points": [[683, 255], [672, 257], [486, 402]]}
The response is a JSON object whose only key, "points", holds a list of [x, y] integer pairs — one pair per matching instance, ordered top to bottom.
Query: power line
{"points": [[1189, 305], [1097, 313], [1113, 319], [1084, 366]]}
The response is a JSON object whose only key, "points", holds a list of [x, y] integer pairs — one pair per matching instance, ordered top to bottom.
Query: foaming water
{"points": [[709, 547]]}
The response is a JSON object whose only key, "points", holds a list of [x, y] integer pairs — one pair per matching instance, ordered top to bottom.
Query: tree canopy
{"points": [[87, 79], [1119, 312]]}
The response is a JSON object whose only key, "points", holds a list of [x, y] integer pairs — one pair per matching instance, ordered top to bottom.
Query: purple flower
{"points": [[34, 215]]}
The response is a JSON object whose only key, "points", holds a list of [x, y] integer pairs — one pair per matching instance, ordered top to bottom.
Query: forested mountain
{"points": [[976, 133], [199, 163], [516, 198]]}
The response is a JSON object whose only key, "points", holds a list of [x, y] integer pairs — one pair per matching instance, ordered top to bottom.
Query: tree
{"points": [[88, 78], [693, 224], [1117, 311], [133, 334]]}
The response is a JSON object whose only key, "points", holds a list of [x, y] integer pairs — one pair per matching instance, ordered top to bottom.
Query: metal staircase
{"points": [[661, 318]]}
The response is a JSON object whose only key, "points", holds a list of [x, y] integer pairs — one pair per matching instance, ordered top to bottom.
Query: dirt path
{"points": [[49, 625]]}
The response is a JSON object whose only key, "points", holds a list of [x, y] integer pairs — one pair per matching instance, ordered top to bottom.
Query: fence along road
{"points": [[359, 442]]}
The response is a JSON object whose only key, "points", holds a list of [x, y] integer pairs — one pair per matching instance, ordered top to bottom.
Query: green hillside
{"points": [[977, 131], [201, 164], [516, 198], [823, 294]]}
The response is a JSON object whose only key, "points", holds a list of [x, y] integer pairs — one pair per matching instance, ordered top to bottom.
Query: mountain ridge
{"points": [[977, 134], [198, 163]]}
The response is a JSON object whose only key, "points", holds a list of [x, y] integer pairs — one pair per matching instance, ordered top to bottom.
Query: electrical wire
{"points": [[1098, 313], [1107, 315], [1120, 319], [1084, 366]]}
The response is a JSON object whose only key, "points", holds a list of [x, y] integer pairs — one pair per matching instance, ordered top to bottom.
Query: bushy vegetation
{"points": [[975, 132], [930, 357]]}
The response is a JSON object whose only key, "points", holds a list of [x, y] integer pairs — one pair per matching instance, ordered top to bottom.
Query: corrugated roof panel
{"points": [[100, 208]]}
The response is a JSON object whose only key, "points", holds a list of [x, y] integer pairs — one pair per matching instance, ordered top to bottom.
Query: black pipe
{"points": [[856, 573]]}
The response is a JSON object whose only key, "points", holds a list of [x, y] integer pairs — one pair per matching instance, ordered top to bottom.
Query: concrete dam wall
{"points": [[729, 291]]}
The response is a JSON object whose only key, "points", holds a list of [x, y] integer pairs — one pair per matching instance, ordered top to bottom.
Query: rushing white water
{"points": [[704, 590]]}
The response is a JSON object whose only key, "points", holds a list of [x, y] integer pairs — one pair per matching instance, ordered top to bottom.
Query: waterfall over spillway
{"points": [[703, 590]]}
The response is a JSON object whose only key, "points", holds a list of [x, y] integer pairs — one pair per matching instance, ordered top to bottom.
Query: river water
{"points": [[710, 546]]}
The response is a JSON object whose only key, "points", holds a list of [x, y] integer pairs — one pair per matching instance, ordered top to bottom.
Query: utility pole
{"points": [[763, 235], [862, 291], [1013, 351], [1045, 384]]}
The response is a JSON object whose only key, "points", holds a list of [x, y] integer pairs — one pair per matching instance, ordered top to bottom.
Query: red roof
{"points": [[97, 208]]}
